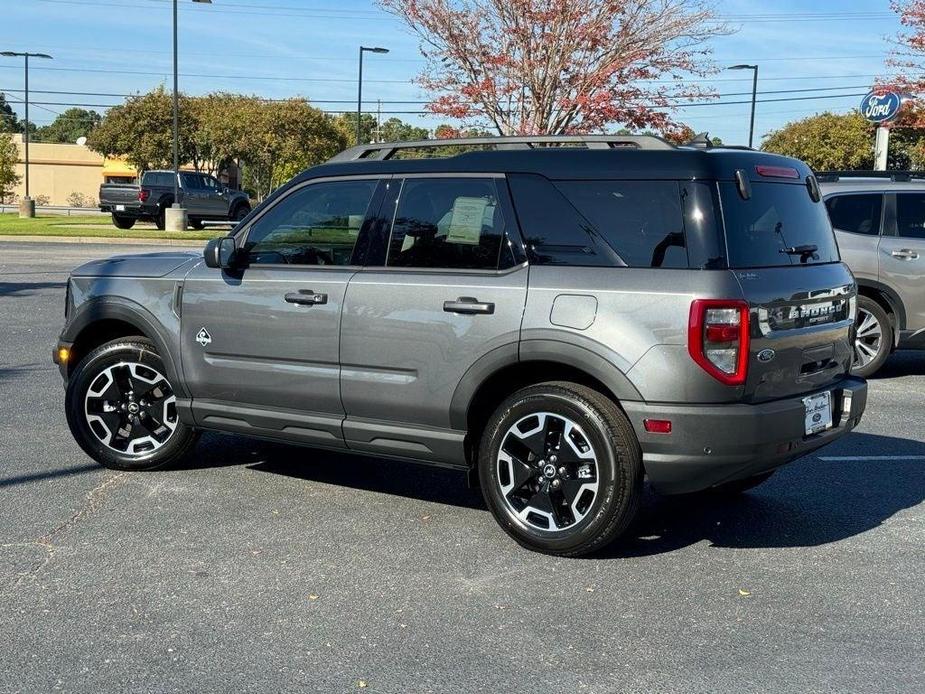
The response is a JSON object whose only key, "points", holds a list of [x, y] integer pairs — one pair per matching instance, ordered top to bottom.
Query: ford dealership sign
{"points": [[880, 107]]}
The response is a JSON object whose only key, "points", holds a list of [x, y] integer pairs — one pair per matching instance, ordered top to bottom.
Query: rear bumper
{"points": [[130, 210], [712, 444]]}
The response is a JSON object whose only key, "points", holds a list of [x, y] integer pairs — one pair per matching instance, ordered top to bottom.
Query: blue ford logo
{"points": [[880, 107], [766, 355], [817, 418]]}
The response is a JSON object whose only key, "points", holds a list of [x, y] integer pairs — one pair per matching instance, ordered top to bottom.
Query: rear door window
{"points": [[857, 214], [910, 215], [640, 220], [778, 225]]}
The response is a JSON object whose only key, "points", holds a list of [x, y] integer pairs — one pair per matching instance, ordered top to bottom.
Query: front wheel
{"points": [[873, 338], [122, 409], [561, 469]]}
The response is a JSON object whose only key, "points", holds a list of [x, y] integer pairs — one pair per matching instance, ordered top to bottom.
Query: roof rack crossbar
{"points": [[386, 150], [895, 175]]}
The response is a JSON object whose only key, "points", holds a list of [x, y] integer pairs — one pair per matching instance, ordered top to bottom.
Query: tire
{"points": [[240, 212], [160, 220], [122, 222], [197, 224], [873, 340], [99, 408], [737, 487], [564, 514]]}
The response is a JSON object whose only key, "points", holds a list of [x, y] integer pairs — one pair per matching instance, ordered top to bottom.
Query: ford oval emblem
{"points": [[880, 107], [766, 355]]}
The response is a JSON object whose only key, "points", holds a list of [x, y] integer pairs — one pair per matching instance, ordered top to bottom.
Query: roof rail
{"points": [[386, 150], [898, 176]]}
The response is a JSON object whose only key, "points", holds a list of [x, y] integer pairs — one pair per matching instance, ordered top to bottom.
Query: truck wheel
{"points": [[240, 212], [160, 219], [121, 222], [197, 224], [873, 338], [122, 410], [561, 469]]}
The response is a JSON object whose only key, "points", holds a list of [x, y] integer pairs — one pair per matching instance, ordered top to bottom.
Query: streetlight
{"points": [[377, 49], [754, 68], [27, 206], [178, 218]]}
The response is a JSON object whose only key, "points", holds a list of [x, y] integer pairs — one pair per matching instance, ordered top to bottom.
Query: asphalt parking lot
{"points": [[260, 567]]}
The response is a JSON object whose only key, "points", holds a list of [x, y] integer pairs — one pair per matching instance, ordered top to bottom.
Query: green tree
{"points": [[9, 123], [69, 125], [827, 141], [9, 156]]}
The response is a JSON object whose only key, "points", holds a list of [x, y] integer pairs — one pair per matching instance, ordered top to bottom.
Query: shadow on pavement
{"points": [[27, 288], [902, 363], [50, 474]]}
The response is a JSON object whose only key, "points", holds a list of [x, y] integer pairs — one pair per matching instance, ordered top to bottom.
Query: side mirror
{"points": [[220, 253]]}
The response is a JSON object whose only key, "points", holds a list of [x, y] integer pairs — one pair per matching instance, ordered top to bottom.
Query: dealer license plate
{"points": [[120, 208], [818, 412]]}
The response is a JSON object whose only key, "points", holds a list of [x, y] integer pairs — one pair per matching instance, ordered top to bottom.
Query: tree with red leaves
{"points": [[909, 57], [533, 67]]}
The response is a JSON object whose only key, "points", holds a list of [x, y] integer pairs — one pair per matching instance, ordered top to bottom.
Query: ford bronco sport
{"points": [[557, 316]]}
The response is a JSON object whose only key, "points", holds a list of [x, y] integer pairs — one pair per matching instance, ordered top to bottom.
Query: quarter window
{"points": [[858, 214], [910, 215], [447, 223], [314, 225]]}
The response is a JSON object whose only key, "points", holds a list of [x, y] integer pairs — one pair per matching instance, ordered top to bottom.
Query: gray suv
{"points": [[879, 220], [557, 317]]}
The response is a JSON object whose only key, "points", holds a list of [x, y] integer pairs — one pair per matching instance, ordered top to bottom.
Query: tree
{"points": [[560, 66], [9, 123], [69, 125], [826, 141], [9, 157]]}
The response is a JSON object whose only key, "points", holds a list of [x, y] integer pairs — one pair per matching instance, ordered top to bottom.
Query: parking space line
{"points": [[836, 458]]}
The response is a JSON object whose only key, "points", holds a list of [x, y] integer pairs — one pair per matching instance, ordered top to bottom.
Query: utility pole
{"points": [[363, 49], [751, 125]]}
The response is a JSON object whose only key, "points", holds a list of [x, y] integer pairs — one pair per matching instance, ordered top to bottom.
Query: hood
{"points": [[141, 265]]}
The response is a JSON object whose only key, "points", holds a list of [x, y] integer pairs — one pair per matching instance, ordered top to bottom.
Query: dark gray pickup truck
{"points": [[204, 197]]}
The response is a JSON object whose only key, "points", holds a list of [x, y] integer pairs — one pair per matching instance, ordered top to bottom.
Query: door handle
{"points": [[905, 254], [306, 297], [468, 304]]}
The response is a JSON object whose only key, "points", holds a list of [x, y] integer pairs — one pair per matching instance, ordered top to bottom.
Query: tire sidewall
{"points": [[886, 328], [79, 383], [610, 494]]}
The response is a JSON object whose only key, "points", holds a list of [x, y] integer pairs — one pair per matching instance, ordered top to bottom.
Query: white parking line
{"points": [[836, 458]]}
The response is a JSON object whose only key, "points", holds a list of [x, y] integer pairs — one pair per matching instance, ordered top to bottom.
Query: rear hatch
{"points": [[119, 194], [782, 249]]}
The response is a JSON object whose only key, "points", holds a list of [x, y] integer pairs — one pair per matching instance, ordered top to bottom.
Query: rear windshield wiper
{"points": [[805, 252]]}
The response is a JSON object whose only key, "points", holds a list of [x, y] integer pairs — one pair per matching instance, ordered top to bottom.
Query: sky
{"points": [[832, 50]]}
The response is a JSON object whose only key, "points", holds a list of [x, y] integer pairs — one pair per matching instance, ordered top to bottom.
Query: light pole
{"points": [[377, 49], [754, 69], [27, 205], [175, 219]]}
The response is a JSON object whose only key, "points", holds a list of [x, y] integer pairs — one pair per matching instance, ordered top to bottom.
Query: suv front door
{"points": [[902, 256], [443, 289], [260, 345]]}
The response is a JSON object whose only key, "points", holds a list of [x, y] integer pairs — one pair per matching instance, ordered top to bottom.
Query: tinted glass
{"points": [[191, 181], [859, 214], [910, 215], [640, 220], [447, 223], [315, 225], [778, 225], [554, 231]]}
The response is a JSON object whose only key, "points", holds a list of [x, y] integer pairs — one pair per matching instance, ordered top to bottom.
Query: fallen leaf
{"points": [[589, 589], [744, 593], [312, 597], [362, 684]]}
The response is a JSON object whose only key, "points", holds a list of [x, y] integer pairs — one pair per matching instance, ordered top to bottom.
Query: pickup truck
{"points": [[204, 197]]}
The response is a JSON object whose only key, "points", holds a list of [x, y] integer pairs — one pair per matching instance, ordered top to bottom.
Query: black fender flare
{"points": [[896, 303], [127, 311], [536, 350]]}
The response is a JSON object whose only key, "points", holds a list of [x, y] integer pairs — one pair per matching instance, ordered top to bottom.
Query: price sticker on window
{"points": [[466, 220]]}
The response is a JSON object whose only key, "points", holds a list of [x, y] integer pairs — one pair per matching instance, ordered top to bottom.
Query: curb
{"points": [[109, 240]]}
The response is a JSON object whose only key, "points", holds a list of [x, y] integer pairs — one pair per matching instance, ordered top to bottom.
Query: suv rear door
{"points": [[857, 219], [902, 254], [443, 289], [260, 345]]}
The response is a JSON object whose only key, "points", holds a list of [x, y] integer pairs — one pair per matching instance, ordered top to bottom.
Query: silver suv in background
{"points": [[879, 221], [555, 316]]}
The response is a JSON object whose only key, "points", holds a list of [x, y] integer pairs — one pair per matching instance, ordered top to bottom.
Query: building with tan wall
{"points": [[58, 171]]}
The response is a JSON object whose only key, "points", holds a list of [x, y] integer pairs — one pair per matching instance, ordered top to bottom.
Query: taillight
{"points": [[777, 171], [143, 195], [717, 339]]}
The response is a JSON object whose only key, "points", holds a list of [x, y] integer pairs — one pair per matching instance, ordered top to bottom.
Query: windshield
{"points": [[778, 225]]}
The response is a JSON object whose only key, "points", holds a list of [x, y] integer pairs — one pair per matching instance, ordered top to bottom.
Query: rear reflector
{"points": [[777, 171], [718, 338], [657, 426]]}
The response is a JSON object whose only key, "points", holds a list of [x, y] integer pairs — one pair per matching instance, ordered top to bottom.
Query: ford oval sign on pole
{"points": [[880, 108]]}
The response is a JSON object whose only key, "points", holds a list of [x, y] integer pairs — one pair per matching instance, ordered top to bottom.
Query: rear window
{"points": [[778, 225]]}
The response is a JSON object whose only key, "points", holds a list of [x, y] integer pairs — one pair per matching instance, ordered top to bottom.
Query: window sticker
{"points": [[466, 220]]}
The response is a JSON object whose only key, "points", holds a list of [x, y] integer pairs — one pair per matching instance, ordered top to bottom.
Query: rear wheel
{"points": [[240, 212], [160, 219], [121, 222], [197, 224], [873, 338], [122, 409], [560, 469]]}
